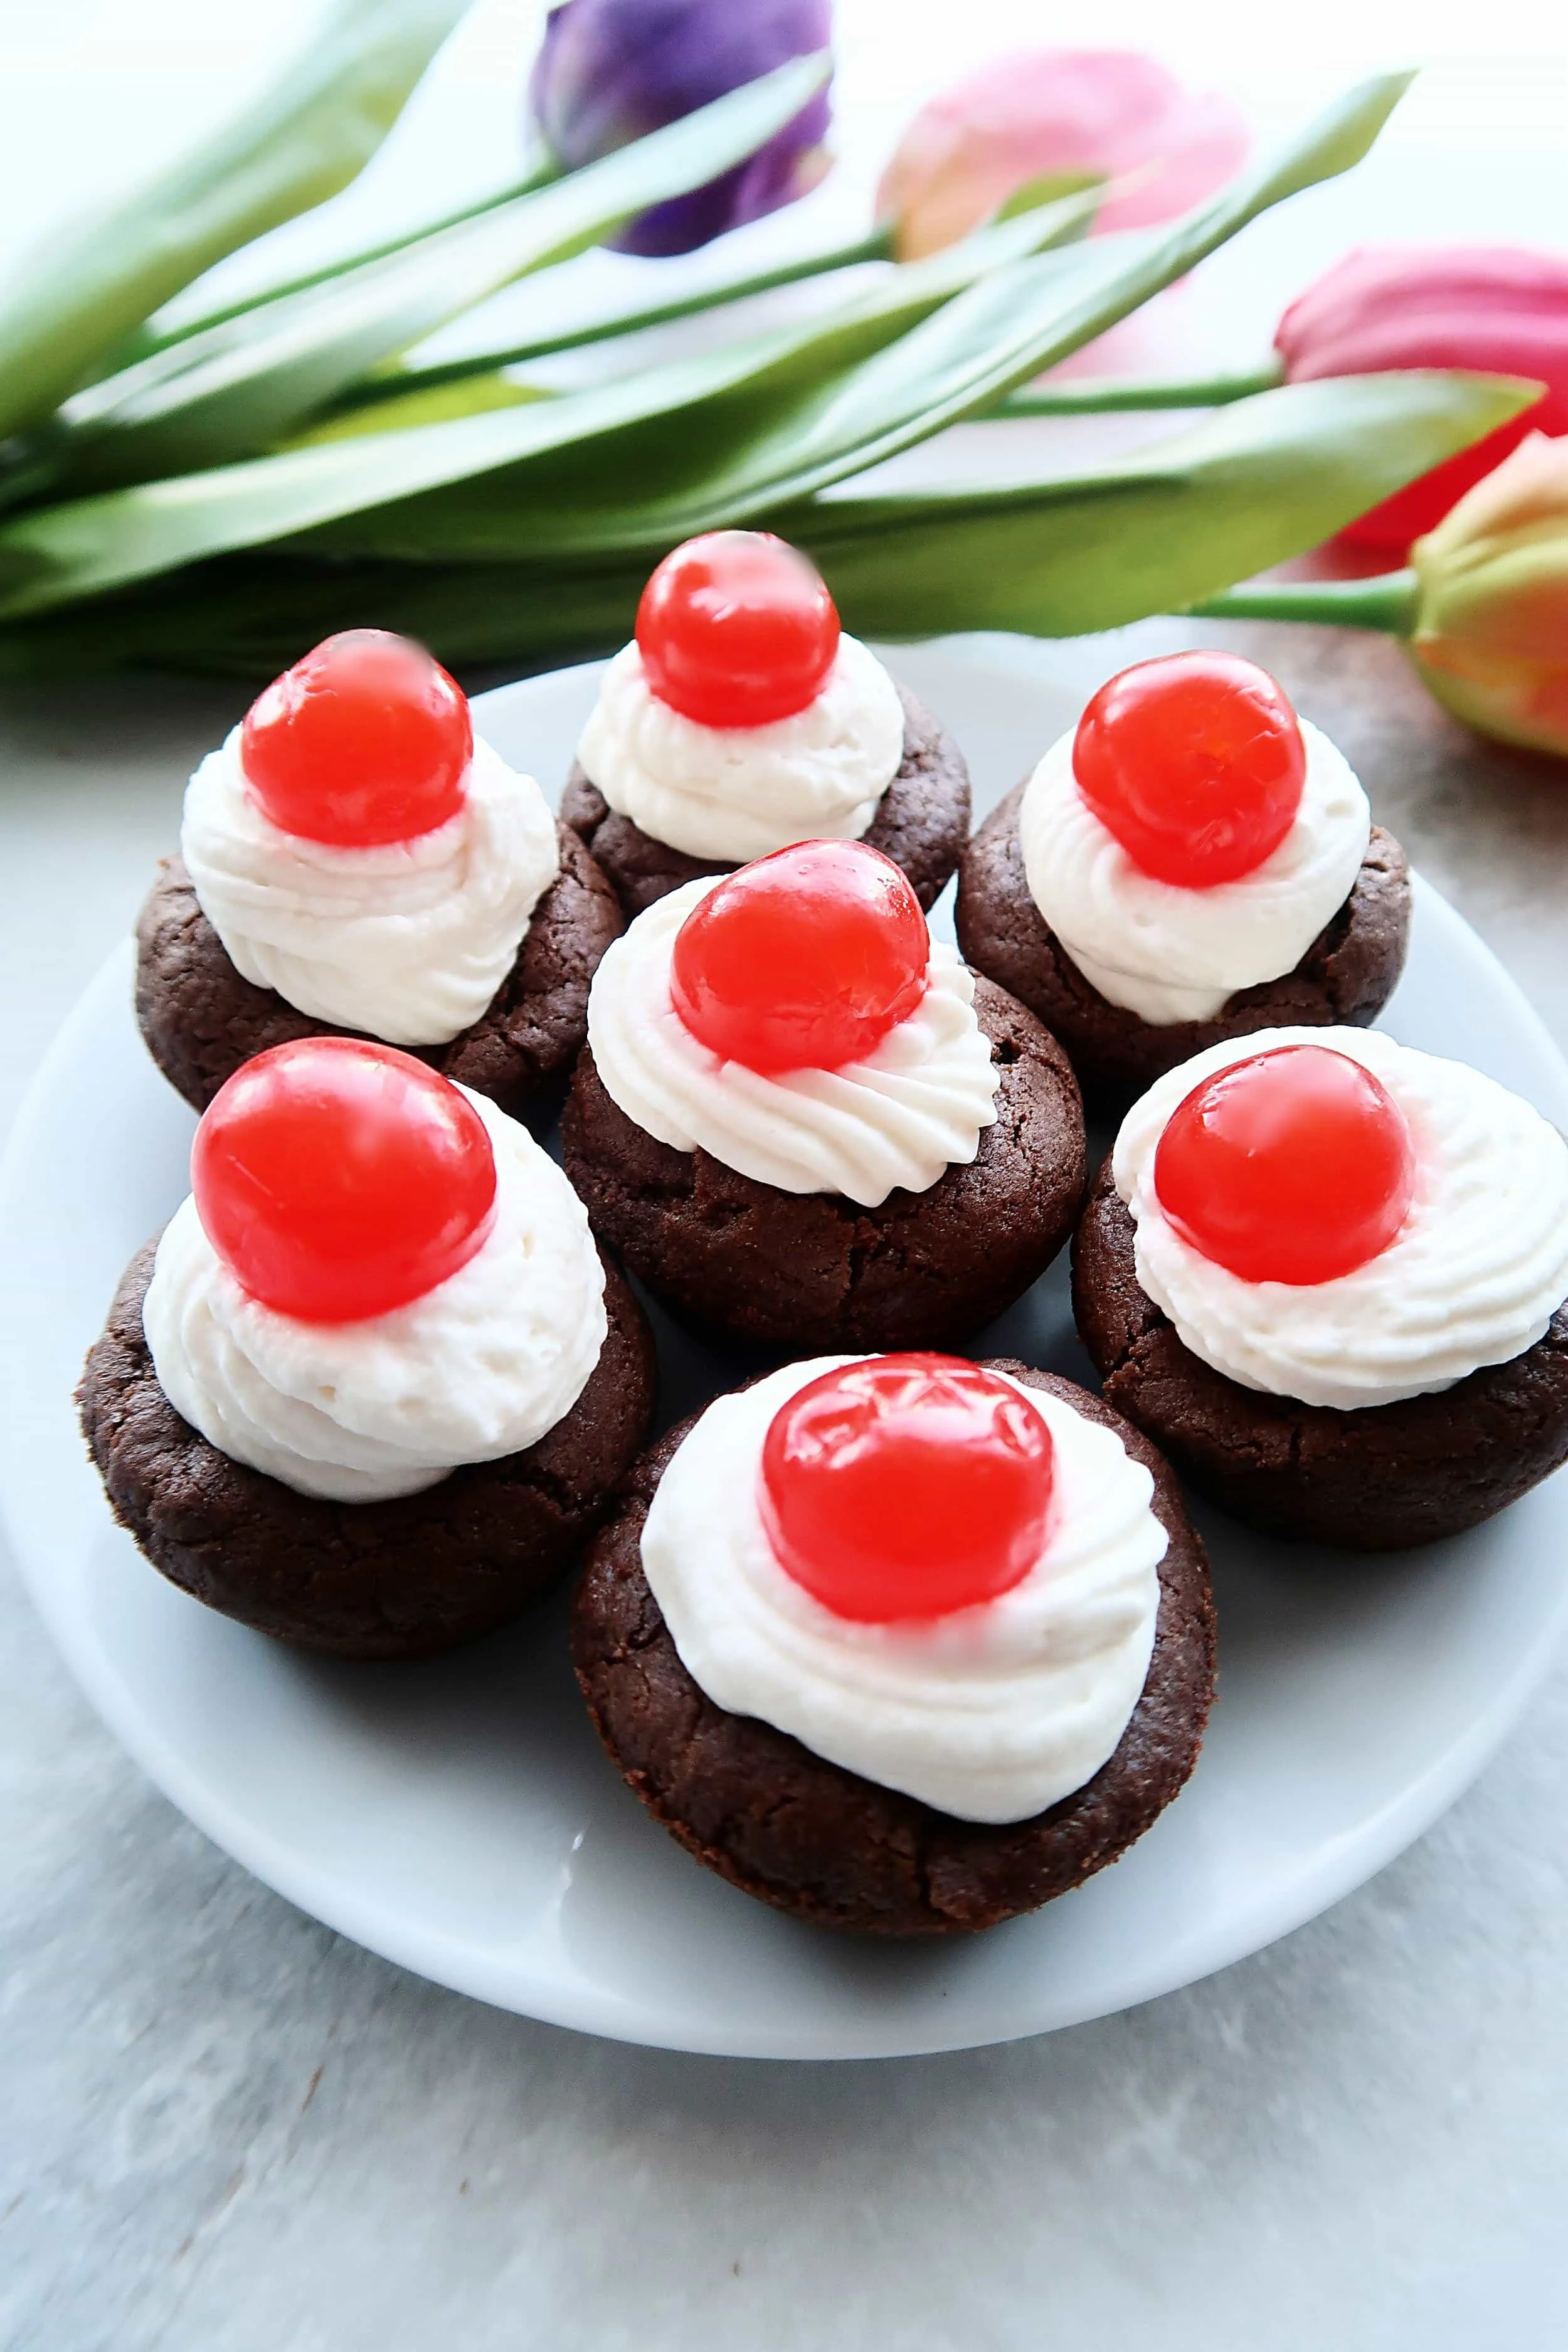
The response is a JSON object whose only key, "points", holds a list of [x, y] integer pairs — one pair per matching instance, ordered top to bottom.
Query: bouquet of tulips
{"points": [[218, 484]]}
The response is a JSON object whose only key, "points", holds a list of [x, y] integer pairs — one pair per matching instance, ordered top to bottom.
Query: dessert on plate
{"points": [[742, 718], [355, 859], [1193, 862], [803, 1120], [1326, 1274], [371, 1388], [900, 1643]]}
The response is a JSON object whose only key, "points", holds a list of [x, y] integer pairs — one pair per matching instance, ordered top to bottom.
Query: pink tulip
{"points": [[1056, 114], [1498, 308]]}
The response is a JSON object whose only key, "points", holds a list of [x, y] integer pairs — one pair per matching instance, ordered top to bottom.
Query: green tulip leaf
{"points": [[300, 142], [187, 315], [626, 318], [231, 388], [475, 395], [779, 431], [544, 516], [1163, 529], [1155, 533], [80, 546]]}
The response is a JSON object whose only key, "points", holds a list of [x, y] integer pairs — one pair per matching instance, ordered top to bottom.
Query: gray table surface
{"points": [[225, 2129]]}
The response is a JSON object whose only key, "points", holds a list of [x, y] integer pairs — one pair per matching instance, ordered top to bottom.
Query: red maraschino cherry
{"points": [[736, 629], [365, 740], [1195, 764], [803, 960], [1292, 1166], [338, 1179], [907, 1486]]}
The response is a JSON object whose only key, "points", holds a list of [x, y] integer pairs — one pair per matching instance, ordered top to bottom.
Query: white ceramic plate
{"points": [[459, 1816]]}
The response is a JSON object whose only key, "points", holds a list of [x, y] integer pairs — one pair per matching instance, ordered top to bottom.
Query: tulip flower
{"points": [[609, 71], [1055, 115], [1496, 309], [1483, 606], [1490, 633]]}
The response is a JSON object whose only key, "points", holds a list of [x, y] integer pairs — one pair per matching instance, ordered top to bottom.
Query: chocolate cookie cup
{"points": [[921, 823], [1346, 976], [201, 1019], [814, 1270], [1375, 1478], [402, 1578], [836, 1850]]}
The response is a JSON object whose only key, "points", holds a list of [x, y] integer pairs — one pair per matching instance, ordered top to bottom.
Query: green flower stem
{"points": [[876, 247], [149, 339], [226, 392], [1094, 396], [1387, 603]]}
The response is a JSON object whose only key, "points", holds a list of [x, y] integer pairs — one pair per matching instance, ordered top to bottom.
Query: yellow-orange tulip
{"points": [[1490, 637]]}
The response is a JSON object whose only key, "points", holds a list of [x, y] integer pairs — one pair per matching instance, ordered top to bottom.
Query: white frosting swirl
{"points": [[738, 793], [408, 940], [1173, 954], [915, 1107], [1472, 1277], [480, 1367], [992, 1713]]}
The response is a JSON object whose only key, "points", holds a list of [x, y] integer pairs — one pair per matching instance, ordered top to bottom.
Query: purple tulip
{"points": [[609, 71]]}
